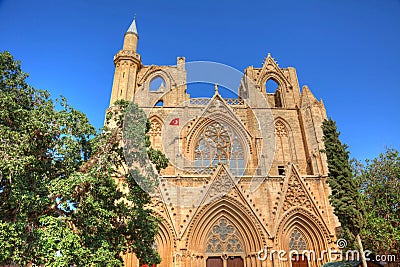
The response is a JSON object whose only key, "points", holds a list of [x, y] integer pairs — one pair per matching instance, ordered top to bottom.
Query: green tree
{"points": [[143, 163], [380, 180], [345, 198], [60, 204]]}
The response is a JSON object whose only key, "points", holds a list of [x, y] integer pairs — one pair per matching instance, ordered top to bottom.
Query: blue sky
{"points": [[346, 51]]}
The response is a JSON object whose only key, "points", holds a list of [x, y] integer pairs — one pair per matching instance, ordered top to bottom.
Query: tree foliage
{"points": [[380, 179], [345, 197], [60, 204]]}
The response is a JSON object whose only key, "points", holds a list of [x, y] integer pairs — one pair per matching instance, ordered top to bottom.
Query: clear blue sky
{"points": [[346, 51]]}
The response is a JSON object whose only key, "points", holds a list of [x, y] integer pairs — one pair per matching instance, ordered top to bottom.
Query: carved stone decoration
{"points": [[270, 67], [199, 101], [215, 106], [156, 128], [280, 129], [221, 186], [296, 196], [223, 237]]}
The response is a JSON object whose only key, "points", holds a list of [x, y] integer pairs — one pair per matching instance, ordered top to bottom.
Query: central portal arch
{"points": [[224, 232]]}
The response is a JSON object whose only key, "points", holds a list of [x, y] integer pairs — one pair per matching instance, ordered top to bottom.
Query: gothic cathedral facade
{"points": [[246, 183]]}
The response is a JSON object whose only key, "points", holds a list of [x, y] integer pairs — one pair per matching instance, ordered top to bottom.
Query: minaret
{"points": [[127, 63]]}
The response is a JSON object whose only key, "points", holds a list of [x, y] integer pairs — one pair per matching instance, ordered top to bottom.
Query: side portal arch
{"points": [[312, 237]]}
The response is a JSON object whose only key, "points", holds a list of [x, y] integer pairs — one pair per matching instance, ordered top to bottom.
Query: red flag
{"points": [[174, 122]]}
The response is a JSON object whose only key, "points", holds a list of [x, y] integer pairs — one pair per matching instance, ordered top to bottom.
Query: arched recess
{"points": [[278, 99], [155, 132], [285, 146], [249, 230], [314, 232], [165, 244]]}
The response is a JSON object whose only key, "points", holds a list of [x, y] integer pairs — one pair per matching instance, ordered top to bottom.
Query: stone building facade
{"points": [[246, 174]]}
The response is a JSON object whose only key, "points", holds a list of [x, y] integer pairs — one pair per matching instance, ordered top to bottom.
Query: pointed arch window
{"points": [[271, 86], [217, 143]]}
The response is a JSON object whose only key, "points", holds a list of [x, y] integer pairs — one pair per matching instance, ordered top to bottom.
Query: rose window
{"points": [[217, 143]]}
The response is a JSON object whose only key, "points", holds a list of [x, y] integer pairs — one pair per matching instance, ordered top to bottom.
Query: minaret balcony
{"points": [[127, 55]]}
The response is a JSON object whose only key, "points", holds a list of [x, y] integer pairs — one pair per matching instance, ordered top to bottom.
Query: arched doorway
{"points": [[303, 238]]}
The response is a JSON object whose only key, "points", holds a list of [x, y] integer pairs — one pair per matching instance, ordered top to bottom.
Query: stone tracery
{"points": [[155, 128], [280, 129], [217, 143], [296, 195], [223, 237], [297, 241]]}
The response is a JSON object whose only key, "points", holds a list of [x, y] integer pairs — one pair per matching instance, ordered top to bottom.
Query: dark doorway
{"points": [[299, 260], [235, 261], [214, 262]]}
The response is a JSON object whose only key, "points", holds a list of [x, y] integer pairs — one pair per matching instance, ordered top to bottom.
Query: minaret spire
{"points": [[133, 28], [131, 37]]}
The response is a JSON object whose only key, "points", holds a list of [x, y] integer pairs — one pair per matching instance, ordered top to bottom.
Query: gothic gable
{"points": [[271, 70], [224, 186], [294, 193], [296, 197]]}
